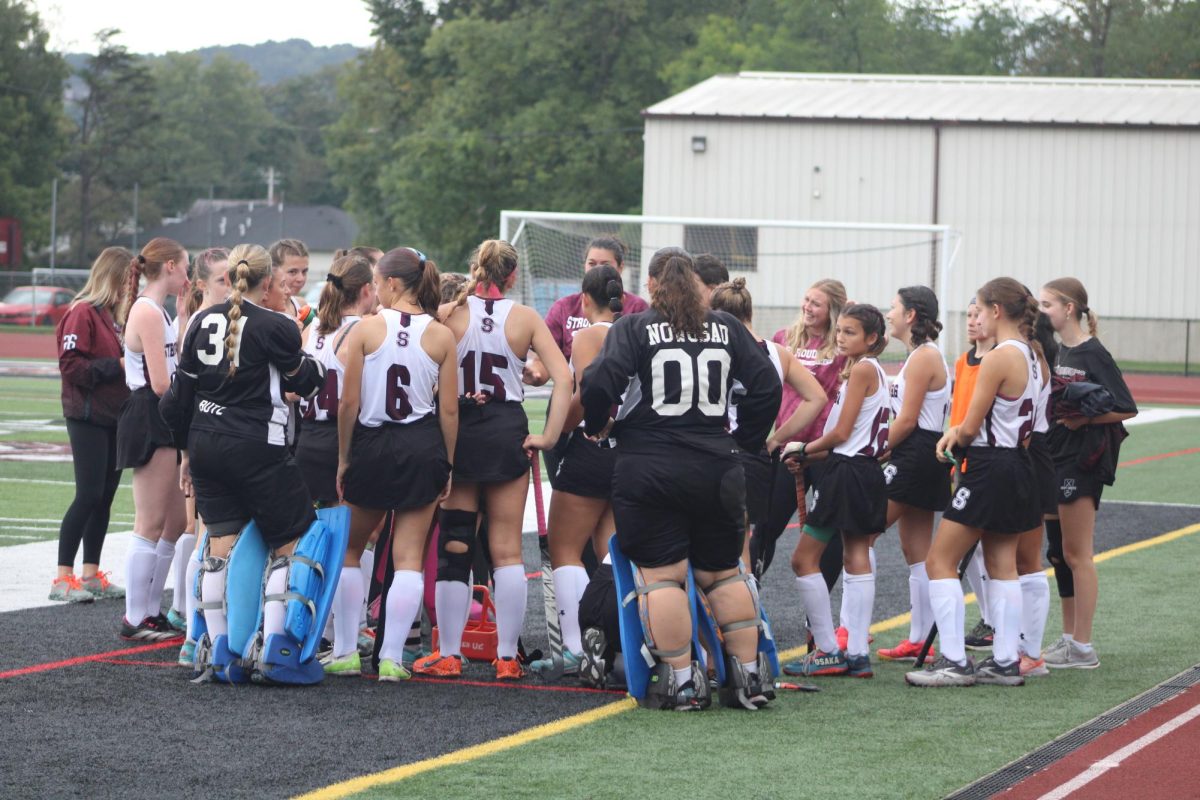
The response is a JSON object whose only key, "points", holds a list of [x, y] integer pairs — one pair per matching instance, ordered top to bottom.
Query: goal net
{"points": [[779, 259]]}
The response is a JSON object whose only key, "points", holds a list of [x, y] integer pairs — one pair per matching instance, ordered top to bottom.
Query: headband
{"points": [[421, 256], [336, 280]]}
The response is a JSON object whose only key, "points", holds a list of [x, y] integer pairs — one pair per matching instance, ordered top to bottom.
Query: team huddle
{"points": [[679, 444]]}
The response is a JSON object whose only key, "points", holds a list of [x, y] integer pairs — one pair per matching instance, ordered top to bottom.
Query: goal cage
{"points": [[779, 259]]}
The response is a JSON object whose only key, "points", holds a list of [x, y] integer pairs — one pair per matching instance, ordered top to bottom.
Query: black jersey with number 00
{"points": [[673, 388], [251, 404]]}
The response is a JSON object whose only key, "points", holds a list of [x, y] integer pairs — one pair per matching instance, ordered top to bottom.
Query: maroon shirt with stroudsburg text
{"points": [[566, 317]]}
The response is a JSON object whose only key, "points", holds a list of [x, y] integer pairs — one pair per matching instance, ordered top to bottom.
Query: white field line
{"points": [[43, 529], [1113, 761]]}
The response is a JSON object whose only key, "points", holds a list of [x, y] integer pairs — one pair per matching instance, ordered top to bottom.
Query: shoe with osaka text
{"points": [[818, 663]]}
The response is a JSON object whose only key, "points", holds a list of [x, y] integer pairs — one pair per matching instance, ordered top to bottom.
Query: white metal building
{"points": [[1043, 177]]}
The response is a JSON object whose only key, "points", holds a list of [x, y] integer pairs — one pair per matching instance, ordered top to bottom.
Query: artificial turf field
{"points": [[874, 738]]}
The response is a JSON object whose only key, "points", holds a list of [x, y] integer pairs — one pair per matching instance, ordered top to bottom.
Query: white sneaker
{"points": [[1072, 657]]}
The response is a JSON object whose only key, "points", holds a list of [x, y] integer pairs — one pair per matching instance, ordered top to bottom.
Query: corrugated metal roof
{"points": [[921, 98]]}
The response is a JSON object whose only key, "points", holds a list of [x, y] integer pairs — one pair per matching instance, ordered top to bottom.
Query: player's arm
{"points": [[153, 343], [544, 346], [584, 349], [445, 354], [922, 370], [303, 375], [606, 378], [858, 386], [763, 391], [351, 398], [812, 399]]}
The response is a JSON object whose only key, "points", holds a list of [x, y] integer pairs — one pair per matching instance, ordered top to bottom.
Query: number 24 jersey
{"points": [[251, 404]]}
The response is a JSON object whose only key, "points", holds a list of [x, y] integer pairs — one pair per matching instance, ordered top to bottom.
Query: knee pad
{"points": [[456, 526], [1054, 554], [767, 651]]}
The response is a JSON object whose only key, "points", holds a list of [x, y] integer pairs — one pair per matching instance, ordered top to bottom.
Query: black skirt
{"points": [[141, 429], [490, 445], [317, 456], [396, 467], [585, 468], [760, 471], [1043, 473], [914, 476], [997, 493], [850, 495]]}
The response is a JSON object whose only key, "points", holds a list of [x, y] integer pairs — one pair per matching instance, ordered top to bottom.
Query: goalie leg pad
{"points": [[455, 526], [313, 571], [242, 605], [199, 628], [766, 639]]}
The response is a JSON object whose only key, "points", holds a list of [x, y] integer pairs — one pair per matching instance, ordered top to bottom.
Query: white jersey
{"points": [[486, 363], [571, 363], [136, 373], [399, 380], [737, 390], [936, 405], [323, 406], [1010, 419], [1041, 421], [868, 437]]}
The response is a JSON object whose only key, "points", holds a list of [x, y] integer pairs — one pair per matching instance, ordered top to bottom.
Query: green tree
{"points": [[302, 109], [32, 127]]}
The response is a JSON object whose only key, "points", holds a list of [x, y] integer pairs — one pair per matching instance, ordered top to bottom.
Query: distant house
{"points": [[225, 223]]}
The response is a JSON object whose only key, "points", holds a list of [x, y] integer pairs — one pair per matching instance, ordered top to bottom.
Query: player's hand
{"points": [[533, 374], [1073, 423], [604, 432], [536, 442], [772, 444], [945, 444], [885, 456], [185, 476]]}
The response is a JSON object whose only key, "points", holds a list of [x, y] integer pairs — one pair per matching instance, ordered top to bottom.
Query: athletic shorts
{"points": [[140, 429], [490, 445], [317, 455], [397, 467], [585, 468], [759, 471], [1043, 473], [914, 476], [236, 480], [998, 494], [850, 496], [678, 504], [598, 608]]}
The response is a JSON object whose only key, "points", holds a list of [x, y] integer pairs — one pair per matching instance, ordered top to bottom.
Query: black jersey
{"points": [[270, 362], [673, 389], [1094, 445]]}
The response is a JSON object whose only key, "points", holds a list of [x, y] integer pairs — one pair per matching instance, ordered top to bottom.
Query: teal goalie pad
{"points": [[313, 571]]}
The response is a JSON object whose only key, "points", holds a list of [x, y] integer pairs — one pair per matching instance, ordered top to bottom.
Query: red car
{"points": [[36, 305]]}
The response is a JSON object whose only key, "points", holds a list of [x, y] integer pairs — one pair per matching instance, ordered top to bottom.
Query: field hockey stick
{"points": [[955, 475], [553, 629]]}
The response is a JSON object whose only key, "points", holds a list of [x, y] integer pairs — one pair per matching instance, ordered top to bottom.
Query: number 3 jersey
{"points": [[399, 379], [673, 388], [251, 404]]}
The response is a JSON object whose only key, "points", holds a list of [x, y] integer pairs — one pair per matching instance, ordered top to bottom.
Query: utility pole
{"points": [[270, 185], [210, 213], [135, 215], [53, 225]]}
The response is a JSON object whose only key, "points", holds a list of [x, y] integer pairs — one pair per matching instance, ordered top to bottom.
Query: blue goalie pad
{"points": [[316, 565], [244, 576], [198, 625], [709, 631], [766, 641], [638, 661], [281, 662], [227, 664]]}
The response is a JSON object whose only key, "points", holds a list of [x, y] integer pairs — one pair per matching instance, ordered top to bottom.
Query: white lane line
{"points": [[45, 482], [1113, 761]]}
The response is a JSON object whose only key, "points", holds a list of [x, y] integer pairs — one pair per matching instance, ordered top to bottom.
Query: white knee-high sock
{"points": [[164, 553], [183, 553], [871, 558], [367, 566], [192, 570], [139, 574], [977, 577], [212, 591], [859, 591], [567, 592], [814, 594], [918, 597], [1005, 597], [511, 598], [946, 600], [452, 602], [346, 603], [403, 604], [1035, 606], [275, 611], [843, 612]]}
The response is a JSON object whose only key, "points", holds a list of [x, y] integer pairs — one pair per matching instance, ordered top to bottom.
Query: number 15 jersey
{"points": [[486, 363], [673, 388], [251, 404]]}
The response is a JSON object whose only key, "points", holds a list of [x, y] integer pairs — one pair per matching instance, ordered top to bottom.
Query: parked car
{"points": [[35, 305]]}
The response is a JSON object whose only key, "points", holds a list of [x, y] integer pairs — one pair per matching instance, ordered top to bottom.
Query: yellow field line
{"points": [[523, 737]]}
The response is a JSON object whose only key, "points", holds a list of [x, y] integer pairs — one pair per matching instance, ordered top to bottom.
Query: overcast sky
{"points": [[160, 26]]}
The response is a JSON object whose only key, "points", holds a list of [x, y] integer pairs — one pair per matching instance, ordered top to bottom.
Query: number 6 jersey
{"points": [[399, 380], [673, 388], [251, 404]]}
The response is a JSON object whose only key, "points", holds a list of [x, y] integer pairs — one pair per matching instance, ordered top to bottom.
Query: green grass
{"points": [[36, 329], [1161, 367], [860, 739]]}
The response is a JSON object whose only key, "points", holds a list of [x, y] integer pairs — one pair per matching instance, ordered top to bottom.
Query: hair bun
{"points": [[739, 284], [614, 289]]}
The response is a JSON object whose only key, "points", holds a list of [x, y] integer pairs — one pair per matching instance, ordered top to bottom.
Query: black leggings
{"points": [[94, 450], [780, 510]]}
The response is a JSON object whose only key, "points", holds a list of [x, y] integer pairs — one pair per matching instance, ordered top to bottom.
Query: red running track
{"points": [[1153, 755]]}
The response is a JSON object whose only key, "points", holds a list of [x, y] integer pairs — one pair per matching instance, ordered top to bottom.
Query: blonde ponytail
{"points": [[251, 266]]}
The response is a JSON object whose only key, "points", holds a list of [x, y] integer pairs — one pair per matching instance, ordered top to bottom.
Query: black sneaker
{"points": [[163, 625], [147, 630], [980, 637], [593, 670], [989, 671], [943, 672]]}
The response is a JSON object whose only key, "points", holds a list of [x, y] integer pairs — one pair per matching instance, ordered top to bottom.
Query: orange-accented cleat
{"points": [[906, 651], [439, 666], [508, 669]]}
